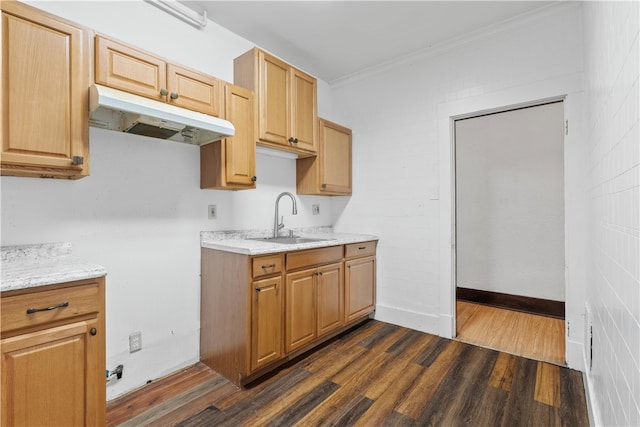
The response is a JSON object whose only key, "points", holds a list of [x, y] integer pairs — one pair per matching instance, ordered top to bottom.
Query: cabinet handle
{"points": [[164, 92], [174, 95], [77, 160], [324, 185], [362, 247], [268, 266], [259, 289], [53, 307]]}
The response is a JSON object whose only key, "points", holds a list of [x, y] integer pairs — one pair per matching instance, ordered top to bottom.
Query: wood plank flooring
{"points": [[523, 334], [376, 375]]}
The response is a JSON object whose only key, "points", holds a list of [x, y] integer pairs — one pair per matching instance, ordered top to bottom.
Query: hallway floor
{"points": [[523, 334]]}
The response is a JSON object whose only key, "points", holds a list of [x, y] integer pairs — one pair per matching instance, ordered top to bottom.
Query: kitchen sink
{"points": [[290, 240]]}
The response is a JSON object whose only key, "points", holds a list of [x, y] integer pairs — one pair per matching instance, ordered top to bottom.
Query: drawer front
{"points": [[354, 250], [314, 257], [265, 265], [69, 302]]}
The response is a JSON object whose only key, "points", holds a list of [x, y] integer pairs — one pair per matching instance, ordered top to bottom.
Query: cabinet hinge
{"points": [[566, 127]]}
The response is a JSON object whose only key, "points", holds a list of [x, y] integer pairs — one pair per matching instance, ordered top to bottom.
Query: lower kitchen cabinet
{"points": [[360, 279], [266, 322], [251, 323], [53, 359]]}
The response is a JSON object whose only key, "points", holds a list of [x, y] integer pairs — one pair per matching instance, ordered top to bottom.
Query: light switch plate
{"points": [[315, 209], [212, 211]]}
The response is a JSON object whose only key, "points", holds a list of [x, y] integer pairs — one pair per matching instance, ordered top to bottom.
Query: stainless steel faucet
{"points": [[278, 226]]}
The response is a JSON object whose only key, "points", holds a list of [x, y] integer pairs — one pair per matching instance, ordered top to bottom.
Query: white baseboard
{"points": [[408, 319]]}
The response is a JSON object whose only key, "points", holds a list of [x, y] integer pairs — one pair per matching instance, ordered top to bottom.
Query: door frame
{"points": [[564, 88]]}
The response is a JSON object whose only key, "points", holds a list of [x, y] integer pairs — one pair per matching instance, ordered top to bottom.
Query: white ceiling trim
{"points": [[446, 46]]}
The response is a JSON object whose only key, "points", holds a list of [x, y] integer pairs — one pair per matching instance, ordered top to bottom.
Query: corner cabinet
{"points": [[133, 70], [286, 101], [45, 113], [230, 164], [329, 173], [257, 312], [53, 355]]}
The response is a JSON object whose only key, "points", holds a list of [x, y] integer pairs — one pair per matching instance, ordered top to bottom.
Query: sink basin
{"points": [[289, 240]]}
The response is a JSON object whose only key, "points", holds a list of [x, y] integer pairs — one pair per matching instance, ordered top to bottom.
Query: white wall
{"points": [[401, 117], [613, 138], [509, 191], [141, 210]]}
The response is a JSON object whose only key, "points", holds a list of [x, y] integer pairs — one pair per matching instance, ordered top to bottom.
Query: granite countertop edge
{"points": [[238, 241], [30, 266]]}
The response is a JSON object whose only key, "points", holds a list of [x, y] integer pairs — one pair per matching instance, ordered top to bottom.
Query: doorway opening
{"points": [[509, 230]]}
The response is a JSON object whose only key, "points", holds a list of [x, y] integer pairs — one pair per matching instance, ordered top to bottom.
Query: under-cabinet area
{"points": [[259, 311]]}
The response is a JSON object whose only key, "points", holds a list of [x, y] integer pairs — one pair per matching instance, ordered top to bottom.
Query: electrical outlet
{"points": [[315, 209], [212, 212], [135, 342]]}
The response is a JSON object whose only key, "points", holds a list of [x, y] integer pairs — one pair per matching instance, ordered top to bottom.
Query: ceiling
{"points": [[337, 39]]}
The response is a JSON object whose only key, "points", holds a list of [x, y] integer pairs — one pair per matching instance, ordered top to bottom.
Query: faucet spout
{"points": [[278, 225]]}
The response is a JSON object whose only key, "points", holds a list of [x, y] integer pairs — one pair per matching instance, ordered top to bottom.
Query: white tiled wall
{"points": [[613, 285]]}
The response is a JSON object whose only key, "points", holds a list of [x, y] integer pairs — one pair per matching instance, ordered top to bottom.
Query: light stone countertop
{"points": [[237, 241], [30, 266]]}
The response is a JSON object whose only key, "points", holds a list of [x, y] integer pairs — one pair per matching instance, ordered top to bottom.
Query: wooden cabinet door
{"points": [[123, 67], [45, 69], [194, 90], [274, 105], [304, 114], [240, 156], [335, 158], [360, 285], [330, 295], [300, 308], [266, 322], [54, 377]]}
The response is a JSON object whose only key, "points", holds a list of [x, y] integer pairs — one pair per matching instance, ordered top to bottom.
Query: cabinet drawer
{"points": [[360, 249], [314, 257], [264, 265], [81, 299]]}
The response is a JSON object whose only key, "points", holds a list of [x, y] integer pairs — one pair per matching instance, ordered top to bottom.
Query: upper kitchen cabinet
{"points": [[135, 71], [45, 81], [286, 101], [230, 164], [329, 173]]}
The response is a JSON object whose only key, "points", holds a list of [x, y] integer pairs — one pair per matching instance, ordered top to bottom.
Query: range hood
{"points": [[121, 111]]}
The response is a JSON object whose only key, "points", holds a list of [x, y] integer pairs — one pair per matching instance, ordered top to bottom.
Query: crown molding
{"points": [[456, 42]]}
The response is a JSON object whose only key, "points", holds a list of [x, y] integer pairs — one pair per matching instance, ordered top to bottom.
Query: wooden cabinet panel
{"points": [[123, 67], [45, 68], [196, 91], [274, 100], [287, 101], [304, 110], [230, 164], [329, 173], [360, 249], [311, 257], [266, 265], [360, 279], [330, 298], [79, 300], [300, 319], [266, 322], [53, 371]]}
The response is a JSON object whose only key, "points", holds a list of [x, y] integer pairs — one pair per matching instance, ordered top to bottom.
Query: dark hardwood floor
{"points": [[375, 375]]}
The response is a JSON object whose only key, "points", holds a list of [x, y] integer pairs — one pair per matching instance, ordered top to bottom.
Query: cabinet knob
{"points": [[164, 92], [174, 95], [290, 140], [295, 140], [254, 178], [324, 185], [93, 331]]}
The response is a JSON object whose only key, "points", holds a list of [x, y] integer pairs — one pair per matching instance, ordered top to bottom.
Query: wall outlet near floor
{"points": [[315, 209], [212, 211], [135, 342]]}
